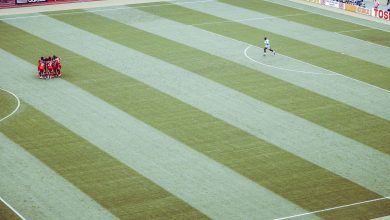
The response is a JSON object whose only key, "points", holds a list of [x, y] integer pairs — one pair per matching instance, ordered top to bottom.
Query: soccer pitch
{"points": [[170, 110]]}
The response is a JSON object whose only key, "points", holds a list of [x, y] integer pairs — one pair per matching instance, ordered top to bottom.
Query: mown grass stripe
{"points": [[317, 21], [357, 68], [248, 81], [228, 145], [167, 162], [50, 197]]}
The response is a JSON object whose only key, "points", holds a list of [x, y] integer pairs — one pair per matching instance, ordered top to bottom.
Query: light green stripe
{"points": [[332, 41], [338, 87], [362, 165], [201, 182], [37, 192]]}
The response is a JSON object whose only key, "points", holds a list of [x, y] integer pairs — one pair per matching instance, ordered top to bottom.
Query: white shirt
{"points": [[266, 42]]}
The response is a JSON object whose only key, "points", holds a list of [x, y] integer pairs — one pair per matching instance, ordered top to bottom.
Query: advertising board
{"points": [[29, 1], [382, 14]]}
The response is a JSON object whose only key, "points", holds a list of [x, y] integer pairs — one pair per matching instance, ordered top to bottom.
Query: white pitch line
{"points": [[105, 9], [251, 19], [368, 42], [280, 68], [315, 73], [17, 107], [329, 209], [14, 210]]}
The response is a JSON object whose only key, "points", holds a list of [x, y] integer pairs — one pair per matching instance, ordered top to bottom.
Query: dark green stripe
{"points": [[315, 20], [334, 61], [254, 158], [121, 190], [6, 213]]}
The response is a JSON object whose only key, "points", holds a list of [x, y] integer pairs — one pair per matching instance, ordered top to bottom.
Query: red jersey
{"points": [[58, 63], [41, 65], [50, 65]]}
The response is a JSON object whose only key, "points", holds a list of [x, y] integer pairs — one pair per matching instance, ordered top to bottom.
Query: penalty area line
{"points": [[17, 107], [333, 208], [14, 210]]}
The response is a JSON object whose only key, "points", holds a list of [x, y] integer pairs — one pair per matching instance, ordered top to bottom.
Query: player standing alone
{"points": [[267, 46]]}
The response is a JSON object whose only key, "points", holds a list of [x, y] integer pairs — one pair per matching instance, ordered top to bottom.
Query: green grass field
{"points": [[171, 111]]}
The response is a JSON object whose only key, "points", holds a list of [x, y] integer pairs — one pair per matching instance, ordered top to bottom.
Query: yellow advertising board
{"points": [[313, 1], [349, 7]]}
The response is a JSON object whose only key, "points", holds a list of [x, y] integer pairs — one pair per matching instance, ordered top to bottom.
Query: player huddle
{"points": [[49, 67]]}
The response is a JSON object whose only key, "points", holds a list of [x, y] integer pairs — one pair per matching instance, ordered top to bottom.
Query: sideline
{"points": [[16, 109], [9, 206], [333, 208]]}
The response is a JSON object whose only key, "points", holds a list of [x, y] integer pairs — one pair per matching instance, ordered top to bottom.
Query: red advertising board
{"points": [[385, 15]]}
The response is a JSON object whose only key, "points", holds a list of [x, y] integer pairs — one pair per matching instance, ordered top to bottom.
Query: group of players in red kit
{"points": [[49, 67]]}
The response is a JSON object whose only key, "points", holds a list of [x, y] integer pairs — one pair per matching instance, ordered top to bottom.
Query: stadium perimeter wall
{"points": [[380, 13]]}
